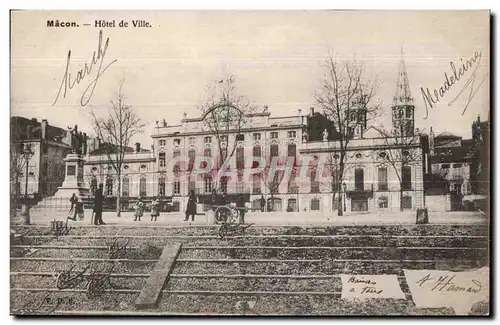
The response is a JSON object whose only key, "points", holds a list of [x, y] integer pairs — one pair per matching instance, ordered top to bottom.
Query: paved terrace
{"points": [[277, 218]]}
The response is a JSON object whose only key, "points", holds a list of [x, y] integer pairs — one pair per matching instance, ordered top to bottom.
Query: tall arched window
{"points": [[274, 149], [176, 155], [191, 157], [240, 158], [161, 159], [406, 178], [359, 179], [109, 186], [125, 186], [142, 186], [161, 186], [315, 204]]}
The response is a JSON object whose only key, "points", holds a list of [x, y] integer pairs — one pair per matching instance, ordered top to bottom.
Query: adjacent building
{"points": [[49, 145], [138, 173], [372, 181]]}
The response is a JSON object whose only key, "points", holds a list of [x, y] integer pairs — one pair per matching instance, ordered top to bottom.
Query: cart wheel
{"points": [[221, 214], [234, 218]]}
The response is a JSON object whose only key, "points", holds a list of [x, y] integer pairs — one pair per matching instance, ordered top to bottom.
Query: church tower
{"points": [[403, 107]]}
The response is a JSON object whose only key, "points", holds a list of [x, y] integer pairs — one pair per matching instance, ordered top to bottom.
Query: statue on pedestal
{"points": [[325, 135], [77, 139]]}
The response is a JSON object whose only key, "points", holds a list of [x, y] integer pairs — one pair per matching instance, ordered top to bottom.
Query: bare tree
{"points": [[348, 100], [225, 114], [116, 132], [402, 152], [336, 180], [272, 183]]}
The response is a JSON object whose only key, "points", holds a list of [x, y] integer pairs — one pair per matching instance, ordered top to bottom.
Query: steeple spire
{"points": [[403, 94], [403, 107]]}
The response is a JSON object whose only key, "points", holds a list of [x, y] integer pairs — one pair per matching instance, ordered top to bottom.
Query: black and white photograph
{"points": [[250, 163]]}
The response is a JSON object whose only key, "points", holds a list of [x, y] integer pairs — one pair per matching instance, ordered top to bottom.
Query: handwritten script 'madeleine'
{"points": [[466, 69], [371, 286]]}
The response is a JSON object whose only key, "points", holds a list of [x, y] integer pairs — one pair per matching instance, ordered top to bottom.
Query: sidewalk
{"points": [[278, 219]]}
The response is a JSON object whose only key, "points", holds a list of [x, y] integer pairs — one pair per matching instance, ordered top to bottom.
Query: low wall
{"points": [[438, 203]]}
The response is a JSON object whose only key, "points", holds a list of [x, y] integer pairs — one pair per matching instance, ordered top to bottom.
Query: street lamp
{"points": [[27, 154], [345, 190]]}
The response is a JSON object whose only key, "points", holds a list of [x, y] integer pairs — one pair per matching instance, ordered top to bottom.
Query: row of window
{"points": [[399, 112], [223, 138], [240, 155], [125, 167], [109, 186]]}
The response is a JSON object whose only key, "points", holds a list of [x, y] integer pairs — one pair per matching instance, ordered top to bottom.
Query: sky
{"points": [[276, 57]]}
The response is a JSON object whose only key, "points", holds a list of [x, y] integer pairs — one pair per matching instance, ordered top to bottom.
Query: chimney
{"points": [[311, 111], [164, 122], [44, 125], [28, 131], [431, 142], [137, 147]]}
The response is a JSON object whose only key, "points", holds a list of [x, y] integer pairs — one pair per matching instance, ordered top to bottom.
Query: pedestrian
{"points": [[98, 201], [262, 203], [240, 204], [191, 206], [155, 208], [139, 209], [79, 210], [72, 212]]}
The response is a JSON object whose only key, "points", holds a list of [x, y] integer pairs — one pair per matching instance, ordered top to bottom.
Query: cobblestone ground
{"points": [[275, 218]]}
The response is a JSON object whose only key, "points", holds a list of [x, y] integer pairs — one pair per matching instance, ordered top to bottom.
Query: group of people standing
{"points": [[140, 206], [76, 209]]}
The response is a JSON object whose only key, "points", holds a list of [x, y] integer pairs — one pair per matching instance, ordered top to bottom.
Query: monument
{"points": [[73, 179]]}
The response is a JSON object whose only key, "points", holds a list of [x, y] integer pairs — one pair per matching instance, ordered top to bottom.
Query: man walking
{"points": [[98, 201], [262, 203], [240, 204], [191, 206]]}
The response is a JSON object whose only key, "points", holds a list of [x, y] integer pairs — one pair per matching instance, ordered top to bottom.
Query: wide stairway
{"points": [[262, 271]]}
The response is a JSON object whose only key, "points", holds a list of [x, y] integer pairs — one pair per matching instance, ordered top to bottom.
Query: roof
{"points": [[19, 132], [447, 135], [103, 148], [452, 154]]}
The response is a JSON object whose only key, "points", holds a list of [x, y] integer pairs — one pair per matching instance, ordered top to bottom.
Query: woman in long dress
{"points": [[139, 209], [155, 209]]}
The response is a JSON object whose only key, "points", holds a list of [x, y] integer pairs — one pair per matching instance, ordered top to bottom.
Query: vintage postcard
{"points": [[250, 163]]}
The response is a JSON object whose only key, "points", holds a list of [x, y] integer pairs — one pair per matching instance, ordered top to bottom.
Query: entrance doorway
{"points": [[359, 205]]}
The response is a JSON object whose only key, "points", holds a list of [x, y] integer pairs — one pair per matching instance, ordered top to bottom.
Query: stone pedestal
{"points": [[73, 182]]}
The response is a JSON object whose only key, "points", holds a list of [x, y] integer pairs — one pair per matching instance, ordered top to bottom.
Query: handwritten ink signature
{"points": [[455, 76], [68, 82], [446, 283]]}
